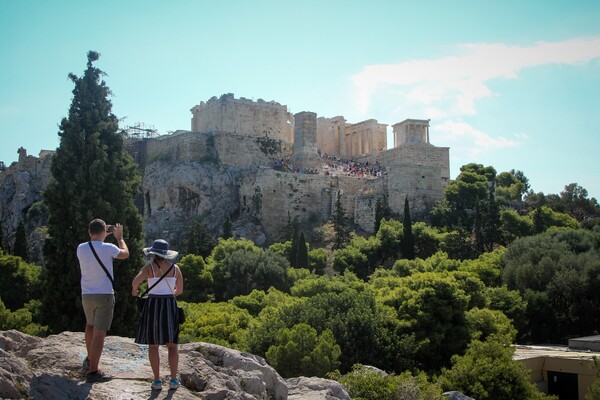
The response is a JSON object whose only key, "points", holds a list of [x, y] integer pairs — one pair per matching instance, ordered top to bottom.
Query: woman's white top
{"points": [[163, 286]]}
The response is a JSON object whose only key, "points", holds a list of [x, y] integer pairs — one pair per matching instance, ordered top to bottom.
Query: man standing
{"points": [[97, 294]]}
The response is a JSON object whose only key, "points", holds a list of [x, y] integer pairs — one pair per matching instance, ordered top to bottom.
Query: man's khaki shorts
{"points": [[98, 309]]}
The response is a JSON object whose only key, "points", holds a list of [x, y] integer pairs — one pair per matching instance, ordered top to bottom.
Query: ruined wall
{"points": [[243, 116], [224, 149], [305, 154], [309, 197]]}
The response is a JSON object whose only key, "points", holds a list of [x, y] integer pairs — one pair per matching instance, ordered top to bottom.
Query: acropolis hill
{"points": [[253, 160], [259, 165]]}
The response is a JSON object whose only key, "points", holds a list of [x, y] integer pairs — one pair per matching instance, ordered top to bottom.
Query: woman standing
{"points": [[159, 320]]}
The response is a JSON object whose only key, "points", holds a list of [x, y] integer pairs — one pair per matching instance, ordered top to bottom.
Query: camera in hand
{"points": [[110, 228]]}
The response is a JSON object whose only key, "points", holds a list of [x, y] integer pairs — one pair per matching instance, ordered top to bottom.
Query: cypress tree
{"points": [[93, 177], [382, 210], [340, 225], [227, 229], [491, 229], [408, 240], [21, 247], [302, 252], [293, 256]]}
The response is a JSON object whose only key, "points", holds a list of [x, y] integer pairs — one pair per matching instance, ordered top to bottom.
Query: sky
{"points": [[508, 84]]}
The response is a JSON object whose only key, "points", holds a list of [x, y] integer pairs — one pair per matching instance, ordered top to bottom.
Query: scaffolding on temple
{"points": [[140, 130]]}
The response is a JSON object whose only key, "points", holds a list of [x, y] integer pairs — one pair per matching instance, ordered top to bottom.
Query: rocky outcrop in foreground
{"points": [[51, 368]]}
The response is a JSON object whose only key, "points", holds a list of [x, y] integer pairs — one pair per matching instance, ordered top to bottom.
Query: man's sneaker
{"points": [[86, 364], [97, 376], [174, 383], [156, 384]]}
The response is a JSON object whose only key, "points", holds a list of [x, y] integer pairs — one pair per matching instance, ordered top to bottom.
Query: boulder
{"points": [[51, 368]]}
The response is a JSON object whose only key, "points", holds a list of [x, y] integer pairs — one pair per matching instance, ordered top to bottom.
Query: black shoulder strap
{"points": [[102, 265], [156, 283]]}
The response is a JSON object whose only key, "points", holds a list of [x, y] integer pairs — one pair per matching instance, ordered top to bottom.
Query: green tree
{"points": [[93, 177], [510, 187], [465, 194], [574, 199], [382, 210], [513, 225], [341, 226], [491, 227], [227, 228], [390, 236], [295, 237], [199, 240], [427, 240], [408, 241], [2, 247], [21, 248], [302, 252], [360, 256], [317, 259], [239, 266], [557, 273], [197, 279], [20, 283], [345, 306], [432, 307], [23, 319], [221, 323], [300, 351], [366, 383]]}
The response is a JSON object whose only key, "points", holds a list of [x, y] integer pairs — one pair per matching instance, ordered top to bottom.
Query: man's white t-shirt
{"points": [[93, 277]]}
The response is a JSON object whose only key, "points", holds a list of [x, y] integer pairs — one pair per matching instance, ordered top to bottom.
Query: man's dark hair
{"points": [[97, 226]]}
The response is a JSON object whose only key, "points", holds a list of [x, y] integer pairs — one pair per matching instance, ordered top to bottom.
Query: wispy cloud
{"points": [[448, 88]]}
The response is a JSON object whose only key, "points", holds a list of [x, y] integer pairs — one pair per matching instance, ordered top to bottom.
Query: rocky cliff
{"points": [[51, 368]]}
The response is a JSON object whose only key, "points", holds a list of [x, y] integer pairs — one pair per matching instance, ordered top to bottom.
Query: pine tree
{"points": [[93, 177], [340, 225], [408, 241], [21, 247], [302, 252]]}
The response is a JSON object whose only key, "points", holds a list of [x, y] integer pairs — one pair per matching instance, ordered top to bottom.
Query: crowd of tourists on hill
{"points": [[334, 165], [351, 167]]}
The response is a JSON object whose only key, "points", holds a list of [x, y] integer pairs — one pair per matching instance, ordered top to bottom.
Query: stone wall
{"points": [[243, 116], [224, 149]]}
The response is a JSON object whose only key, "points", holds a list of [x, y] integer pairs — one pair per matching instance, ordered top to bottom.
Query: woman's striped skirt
{"points": [[158, 322]]}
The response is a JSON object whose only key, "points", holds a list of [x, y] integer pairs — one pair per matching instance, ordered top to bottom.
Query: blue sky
{"points": [[511, 84]]}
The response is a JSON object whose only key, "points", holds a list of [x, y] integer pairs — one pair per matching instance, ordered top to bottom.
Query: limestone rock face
{"points": [[20, 188], [51, 368]]}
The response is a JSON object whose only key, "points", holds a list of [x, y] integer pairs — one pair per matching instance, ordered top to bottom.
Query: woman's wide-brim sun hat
{"points": [[160, 248]]}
